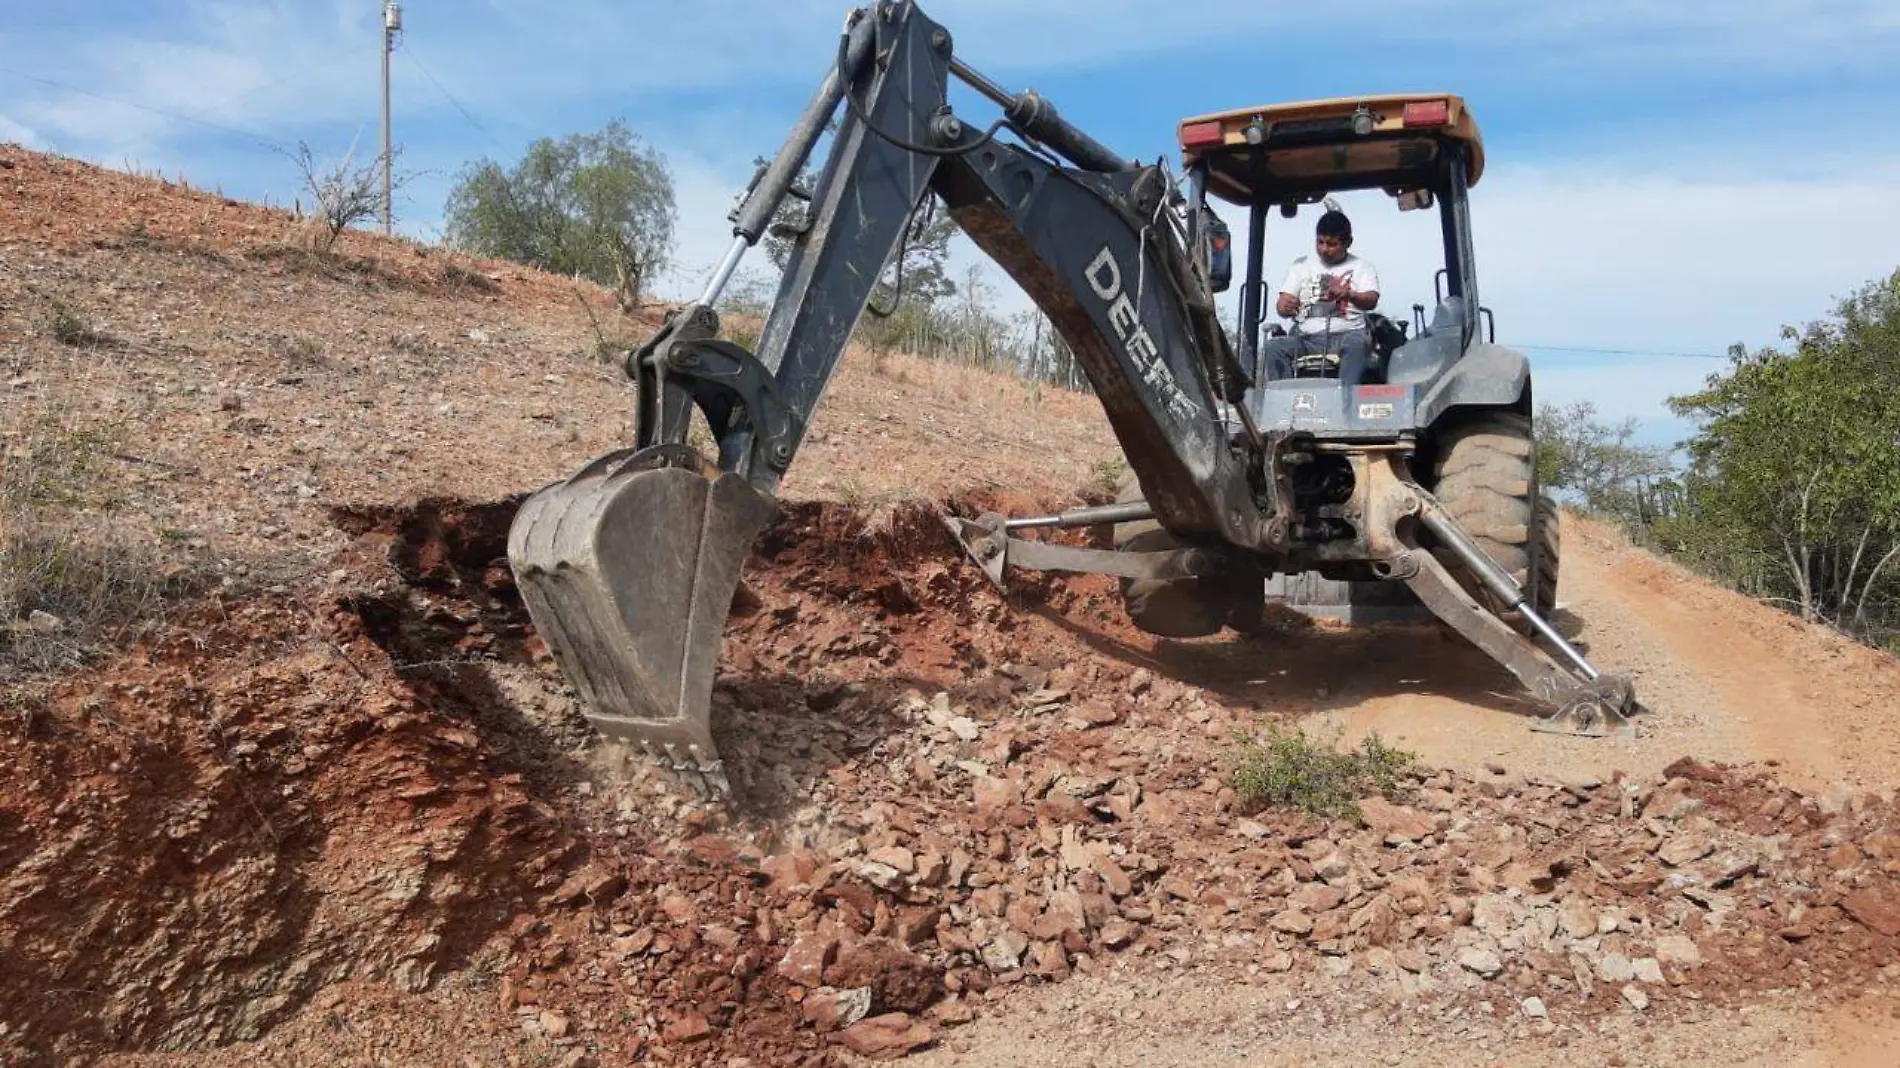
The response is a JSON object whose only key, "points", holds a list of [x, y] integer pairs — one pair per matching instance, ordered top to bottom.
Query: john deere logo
{"points": [[1303, 402]]}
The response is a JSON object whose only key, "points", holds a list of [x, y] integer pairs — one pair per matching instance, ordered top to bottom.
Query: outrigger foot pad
{"points": [[1599, 708]]}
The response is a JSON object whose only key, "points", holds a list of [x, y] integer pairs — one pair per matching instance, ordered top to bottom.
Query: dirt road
{"points": [[1722, 678], [1188, 1022]]}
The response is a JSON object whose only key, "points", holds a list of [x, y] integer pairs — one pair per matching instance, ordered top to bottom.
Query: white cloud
{"points": [[282, 64], [220, 67], [703, 193], [1637, 251], [1593, 254]]}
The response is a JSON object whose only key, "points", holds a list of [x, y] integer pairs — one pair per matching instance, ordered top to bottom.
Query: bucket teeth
{"points": [[628, 572], [707, 778]]}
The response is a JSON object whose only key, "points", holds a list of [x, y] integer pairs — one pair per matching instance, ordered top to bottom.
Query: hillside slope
{"points": [[233, 388], [334, 804]]}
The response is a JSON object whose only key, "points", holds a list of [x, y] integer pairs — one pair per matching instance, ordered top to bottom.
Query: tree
{"points": [[343, 193], [599, 205], [791, 213], [923, 256], [920, 270], [1601, 465], [1795, 467]]}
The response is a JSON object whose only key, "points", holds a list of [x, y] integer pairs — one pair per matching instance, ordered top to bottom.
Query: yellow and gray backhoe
{"points": [[1421, 474]]}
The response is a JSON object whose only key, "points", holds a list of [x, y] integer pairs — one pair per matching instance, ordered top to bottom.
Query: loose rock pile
{"points": [[940, 801], [930, 887]]}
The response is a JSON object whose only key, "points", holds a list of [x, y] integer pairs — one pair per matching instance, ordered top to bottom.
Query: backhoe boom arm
{"points": [[1097, 244]]}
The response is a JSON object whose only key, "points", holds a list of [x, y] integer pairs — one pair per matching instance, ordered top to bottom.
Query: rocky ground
{"points": [[941, 801], [337, 807]]}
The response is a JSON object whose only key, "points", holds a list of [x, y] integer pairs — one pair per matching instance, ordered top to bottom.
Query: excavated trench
{"points": [[369, 777], [940, 793]]}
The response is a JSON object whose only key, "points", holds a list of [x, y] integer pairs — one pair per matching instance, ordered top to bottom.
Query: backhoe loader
{"points": [[1423, 475]]}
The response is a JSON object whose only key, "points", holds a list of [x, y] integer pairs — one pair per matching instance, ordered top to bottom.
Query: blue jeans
{"points": [[1354, 348]]}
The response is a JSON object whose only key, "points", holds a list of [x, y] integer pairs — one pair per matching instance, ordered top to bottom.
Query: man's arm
{"points": [[1365, 277], [1343, 287], [1288, 304]]}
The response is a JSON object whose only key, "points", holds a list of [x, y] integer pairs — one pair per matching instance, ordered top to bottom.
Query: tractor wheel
{"points": [[1487, 480], [1549, 556], [1179, 608]]}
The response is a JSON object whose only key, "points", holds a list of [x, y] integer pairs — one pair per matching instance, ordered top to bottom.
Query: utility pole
{"points": [[392, 24]]}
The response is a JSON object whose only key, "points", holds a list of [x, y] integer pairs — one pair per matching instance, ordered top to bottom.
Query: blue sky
{"points": [[1663, 176]]}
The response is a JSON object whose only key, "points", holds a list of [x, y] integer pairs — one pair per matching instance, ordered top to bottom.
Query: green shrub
{"points": [[1289, 770]]}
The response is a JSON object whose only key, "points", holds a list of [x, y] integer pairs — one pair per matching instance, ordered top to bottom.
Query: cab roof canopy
{"points": [[1303, 150]]}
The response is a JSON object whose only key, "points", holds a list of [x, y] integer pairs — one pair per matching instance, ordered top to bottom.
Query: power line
{"points": [[273, 83], [450, 97], [260, 138], [1621, 352]]}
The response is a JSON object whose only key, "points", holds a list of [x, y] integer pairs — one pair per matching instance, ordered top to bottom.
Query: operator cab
{"points": [[1423, 150]]}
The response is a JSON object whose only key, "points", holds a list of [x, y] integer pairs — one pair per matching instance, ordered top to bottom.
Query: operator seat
{"points": [[1386, 335], [1439, 346]]}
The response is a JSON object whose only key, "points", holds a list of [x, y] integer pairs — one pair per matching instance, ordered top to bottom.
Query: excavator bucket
{"points": [[628, 572]]}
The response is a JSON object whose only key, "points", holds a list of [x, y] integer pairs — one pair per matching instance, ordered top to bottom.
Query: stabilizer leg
{"points": [[1585, 703]]}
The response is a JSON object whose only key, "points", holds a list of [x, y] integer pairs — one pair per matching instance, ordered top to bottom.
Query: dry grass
{"points": [[68, 327], [1105, 477], [72, 581]]}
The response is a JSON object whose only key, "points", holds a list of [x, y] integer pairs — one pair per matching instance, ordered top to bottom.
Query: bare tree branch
{"points": [[344, 194], [1860, 610]]}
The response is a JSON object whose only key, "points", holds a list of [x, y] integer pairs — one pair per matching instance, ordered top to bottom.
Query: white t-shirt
{"points": [[1307, 280]]}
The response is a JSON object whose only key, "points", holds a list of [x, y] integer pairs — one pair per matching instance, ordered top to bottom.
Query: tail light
{"points": [[1427, 113], [1201, 134]]}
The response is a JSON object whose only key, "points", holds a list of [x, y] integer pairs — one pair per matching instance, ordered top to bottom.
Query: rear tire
{"points": [[1486, 478], [1548, 557]]}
